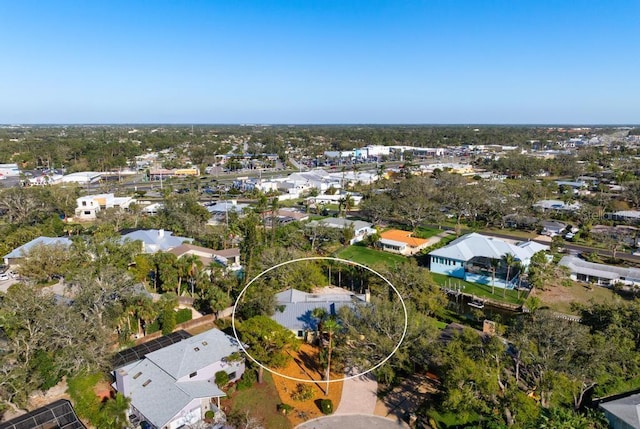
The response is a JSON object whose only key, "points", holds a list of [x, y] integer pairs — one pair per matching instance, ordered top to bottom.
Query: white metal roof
{"points": [[476, 245], [580, 266]]}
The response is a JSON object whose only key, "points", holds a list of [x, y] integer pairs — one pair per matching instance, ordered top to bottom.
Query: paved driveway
{"points": [[358, 395], [352, 421]]}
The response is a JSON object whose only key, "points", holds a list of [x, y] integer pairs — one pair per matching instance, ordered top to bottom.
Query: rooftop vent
{"points": [[196, 349], [137, 375], [146, 383]]}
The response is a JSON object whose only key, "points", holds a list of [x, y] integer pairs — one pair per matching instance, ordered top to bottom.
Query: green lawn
{"points": [[424, 232], [369, 257], [481, 291], [261, 401]]}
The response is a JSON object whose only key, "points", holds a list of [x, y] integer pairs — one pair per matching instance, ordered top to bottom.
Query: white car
{"points": [[4, 276]]}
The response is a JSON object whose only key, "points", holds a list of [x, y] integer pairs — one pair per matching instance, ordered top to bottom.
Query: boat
{"points": [[476, 303]]}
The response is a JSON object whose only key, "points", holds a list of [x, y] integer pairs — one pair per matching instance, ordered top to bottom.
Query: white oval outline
{"points": [[319, 258]]}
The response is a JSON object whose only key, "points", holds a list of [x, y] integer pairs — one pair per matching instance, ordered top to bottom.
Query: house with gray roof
{"points": [[556, 205], [221, 210], [553, 227], [360, 228], [156, 240], [14, 257], [227, 258], [470, 258], [600, 274], [294, 308], [175, 386], [623, 412]]}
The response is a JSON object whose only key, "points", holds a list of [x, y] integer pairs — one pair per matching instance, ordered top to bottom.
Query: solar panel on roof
{"points": [[138, 352]]}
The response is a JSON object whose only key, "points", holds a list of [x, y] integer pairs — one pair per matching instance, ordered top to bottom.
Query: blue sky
{"points": [[329, 61]]}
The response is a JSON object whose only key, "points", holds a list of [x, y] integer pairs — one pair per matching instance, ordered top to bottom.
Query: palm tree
{"points": [[274, 218], [509, 260], [494, 266], [188, 268], [519, 268], [146, 312], [330, 326], [113, 414]]}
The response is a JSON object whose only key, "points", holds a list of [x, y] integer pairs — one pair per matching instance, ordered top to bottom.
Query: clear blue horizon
{"points": [[321, 62]]}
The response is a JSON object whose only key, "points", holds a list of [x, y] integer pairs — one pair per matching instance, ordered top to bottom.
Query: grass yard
{"points": [[424, 232], [525, 235], [369, 257], [481, 291], [560, 298], [261, 401]]}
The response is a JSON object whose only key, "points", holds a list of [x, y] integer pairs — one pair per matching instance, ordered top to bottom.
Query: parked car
{"points": [[4, 277]]}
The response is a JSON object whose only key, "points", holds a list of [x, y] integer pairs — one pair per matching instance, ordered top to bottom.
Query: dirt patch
{"points": [[559, 298], [303, 365], [104, 390], [407, 397]]}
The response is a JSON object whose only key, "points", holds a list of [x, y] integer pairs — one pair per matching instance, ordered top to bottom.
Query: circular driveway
{"points": [[353, 421]]}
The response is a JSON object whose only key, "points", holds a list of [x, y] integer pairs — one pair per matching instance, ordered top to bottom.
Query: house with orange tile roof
{"points": [[402, 242]]}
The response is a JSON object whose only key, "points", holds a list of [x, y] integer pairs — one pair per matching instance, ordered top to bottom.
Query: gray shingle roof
{"points": [[342, 223], [297, 307], [190, 355], [152, 382], [626, 409]]}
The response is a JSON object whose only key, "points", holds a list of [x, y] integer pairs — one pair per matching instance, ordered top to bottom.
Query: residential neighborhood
{"points": [[161, 296]]}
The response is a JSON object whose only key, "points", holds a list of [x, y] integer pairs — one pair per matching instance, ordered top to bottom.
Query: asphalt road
{"points": [[573, 248], [353, 421]]}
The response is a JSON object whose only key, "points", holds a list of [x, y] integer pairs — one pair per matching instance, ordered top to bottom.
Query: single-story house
{"points": [[82, 177], [335, 198], [556, 205], [152, 209], [220, 211], [625, 215], [284, 216], [517, 221], [553, 227], [361, 229], [155, 240], [402, 242], [13, 258], [229, 258], [469, 258], [600, 274], [294, 308], [175, 386], [623, 412]]}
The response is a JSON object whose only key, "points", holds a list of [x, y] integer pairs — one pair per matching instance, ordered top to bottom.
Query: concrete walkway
{"points": [[359, 395]]}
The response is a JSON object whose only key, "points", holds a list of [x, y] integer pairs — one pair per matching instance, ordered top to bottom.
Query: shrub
{"points": [[183, 315], [167, 321], [152, 327], [222, 378], [248, 379], [303, 392], [326, 406], [285, 408], [209, 415]]}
